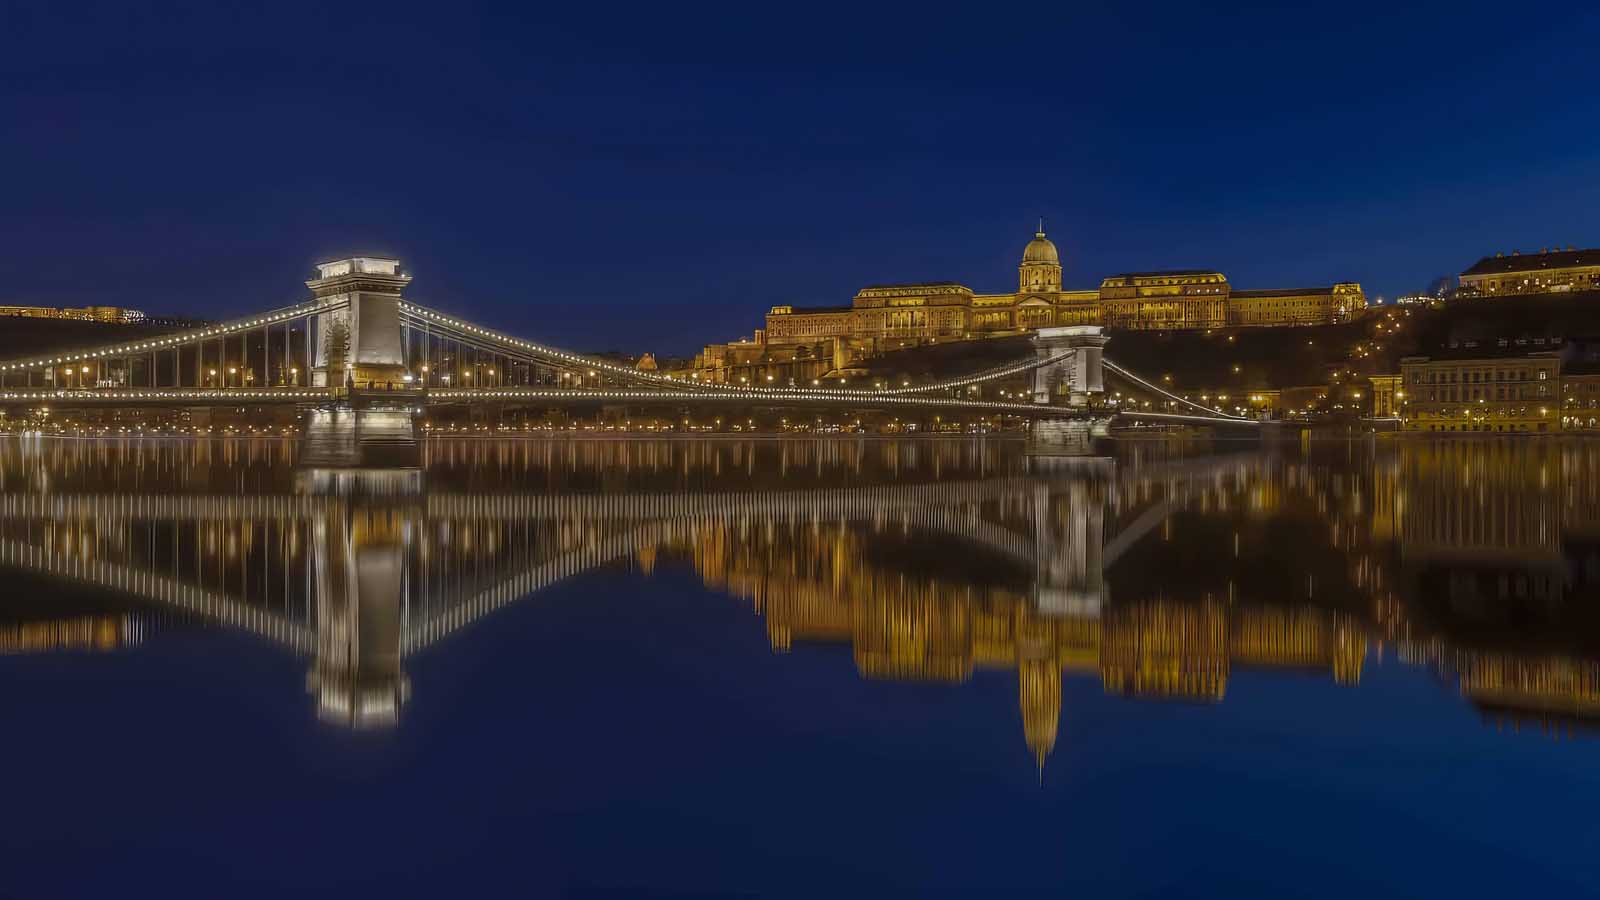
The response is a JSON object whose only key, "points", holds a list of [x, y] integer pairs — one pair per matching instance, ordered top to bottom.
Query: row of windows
{"points": [[1549, 280], [1476, 376], [1451, 394], [1495, 411], [1543, 426]]}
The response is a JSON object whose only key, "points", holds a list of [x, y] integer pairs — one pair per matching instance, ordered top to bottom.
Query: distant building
{"points": [[1545, 272], [1302, 306], [86, 313], [1483, 386]]}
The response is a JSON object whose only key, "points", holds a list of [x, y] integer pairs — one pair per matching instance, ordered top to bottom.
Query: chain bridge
{"points": [[358, 342]]}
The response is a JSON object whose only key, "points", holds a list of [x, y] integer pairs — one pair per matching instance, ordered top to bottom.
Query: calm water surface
{"points": [[800, 668]]}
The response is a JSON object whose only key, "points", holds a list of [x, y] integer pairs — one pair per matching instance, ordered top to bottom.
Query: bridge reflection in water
{"points": [[933, 561]]}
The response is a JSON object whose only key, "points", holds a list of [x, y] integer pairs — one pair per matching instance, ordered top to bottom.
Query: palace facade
{"points": [[1545, 272], [889, 316], [800, 343]]}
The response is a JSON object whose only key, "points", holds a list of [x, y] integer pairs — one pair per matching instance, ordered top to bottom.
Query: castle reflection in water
{"points": [[1161, 571]]}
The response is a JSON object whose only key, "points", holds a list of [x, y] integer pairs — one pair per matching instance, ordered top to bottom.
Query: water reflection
{"points": [[1160, 572]]}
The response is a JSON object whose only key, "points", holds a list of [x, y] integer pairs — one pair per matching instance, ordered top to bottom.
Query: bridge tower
{"points": [[359, 343], [1075, 376]]}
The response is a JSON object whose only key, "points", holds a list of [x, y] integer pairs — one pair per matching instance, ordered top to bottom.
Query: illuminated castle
{"points": [[887, 316]]}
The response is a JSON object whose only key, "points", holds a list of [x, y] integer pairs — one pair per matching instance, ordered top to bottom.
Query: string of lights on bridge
{"points": [[182, 338], [281, 395], [1210, 413]]}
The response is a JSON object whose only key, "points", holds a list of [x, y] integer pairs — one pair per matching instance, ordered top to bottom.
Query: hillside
{"points": [[27, 337]]}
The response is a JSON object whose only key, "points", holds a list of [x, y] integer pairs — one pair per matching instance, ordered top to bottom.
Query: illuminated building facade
{"points": [[1545, 272], [1295, 306], [115, 314], [891, 316], [1499, 386], [1488, 389], [1387, 392], [1580, 402]]}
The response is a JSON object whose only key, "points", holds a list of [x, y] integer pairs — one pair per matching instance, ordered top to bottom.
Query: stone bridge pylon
{"points": [[359, 339], [1070, 367]]}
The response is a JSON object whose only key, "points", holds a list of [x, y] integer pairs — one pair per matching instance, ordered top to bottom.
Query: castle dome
{"points": [[1040, 250]]}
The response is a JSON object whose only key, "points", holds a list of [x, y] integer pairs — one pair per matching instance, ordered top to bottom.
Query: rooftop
{"points": [[1534, 262], [364, 265], [1164, 273], [917, 284], [1283, 292], [800, 310]]}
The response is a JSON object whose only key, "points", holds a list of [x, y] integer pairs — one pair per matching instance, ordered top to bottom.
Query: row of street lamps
{"points": [[80, 374], [247, 377], [491, 377]]}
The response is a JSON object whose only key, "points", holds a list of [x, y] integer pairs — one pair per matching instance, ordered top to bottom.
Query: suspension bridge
{"points": [[357, 341]]}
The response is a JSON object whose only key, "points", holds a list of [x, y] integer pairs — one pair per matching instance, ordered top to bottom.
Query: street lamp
{"points": [[232, 371], [211, 379]]}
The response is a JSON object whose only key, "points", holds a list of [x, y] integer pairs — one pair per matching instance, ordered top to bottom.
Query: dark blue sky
{"points": [[650, 178]]}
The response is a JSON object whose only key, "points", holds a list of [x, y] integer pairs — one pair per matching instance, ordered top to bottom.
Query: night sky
{"points": [[652, 178]]}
